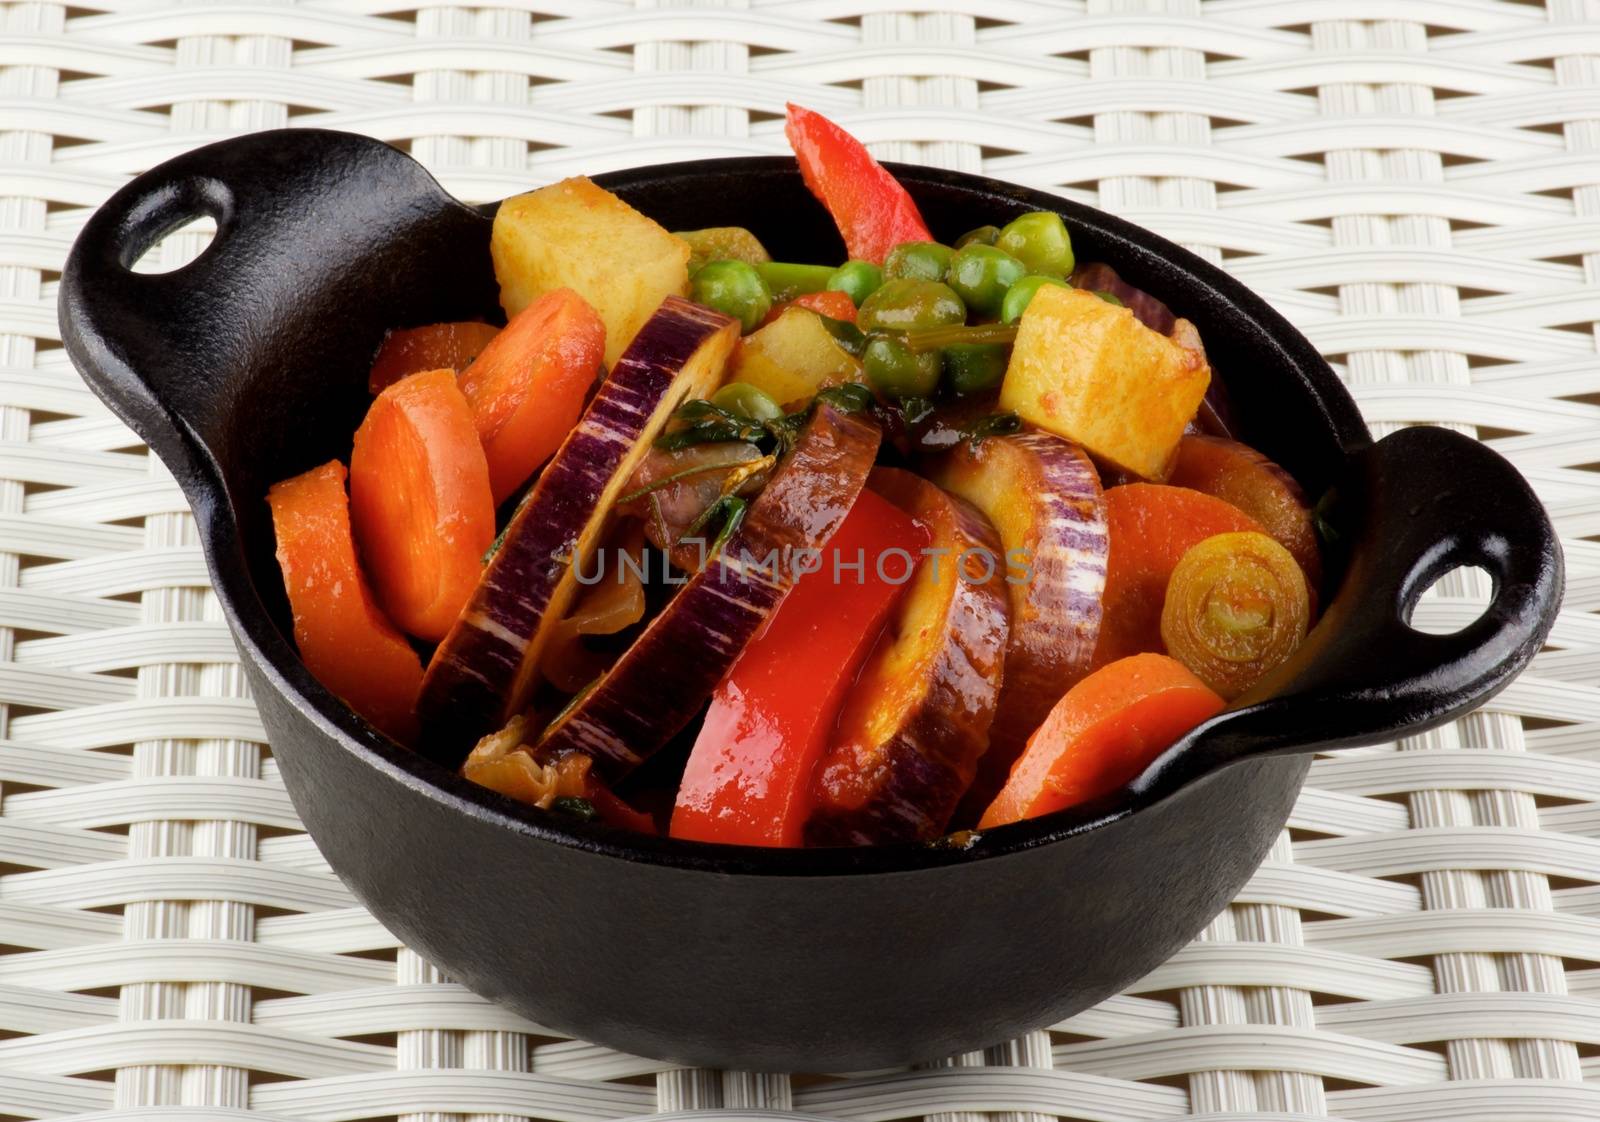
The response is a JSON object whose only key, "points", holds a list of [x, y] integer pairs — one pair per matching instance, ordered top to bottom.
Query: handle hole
{"points": [[178, 247], [1453, 602]]}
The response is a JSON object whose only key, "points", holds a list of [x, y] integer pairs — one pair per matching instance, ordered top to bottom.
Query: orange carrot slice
{"points": [[411, 350], [527, 387], [1238, 474], [420, 501], [1150, 526], [345, 641], [1102, 734]]}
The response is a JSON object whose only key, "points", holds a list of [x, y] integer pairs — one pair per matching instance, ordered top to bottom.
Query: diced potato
{"points": [[575, 235], [723, 243], [793, 357], [1087, 370]]}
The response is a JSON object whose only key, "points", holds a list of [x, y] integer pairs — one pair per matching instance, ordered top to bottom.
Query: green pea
{"points": [[982, 235], [1039, 239], [918, 261], [981, 274], [856, 279], [786, 280], [735, 289], [1020, 294], [1110, 298], [902, 304], [974, 367], [898, 370], [747, 401]]}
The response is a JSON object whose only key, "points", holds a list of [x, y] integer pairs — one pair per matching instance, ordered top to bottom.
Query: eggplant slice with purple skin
{"points": [[1043, 496], [484, 671], [658, 685], [916, 722]]}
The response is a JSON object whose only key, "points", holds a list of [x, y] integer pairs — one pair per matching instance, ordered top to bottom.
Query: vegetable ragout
{"points": [[773, 553]]}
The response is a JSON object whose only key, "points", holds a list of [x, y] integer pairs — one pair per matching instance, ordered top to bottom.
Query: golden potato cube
{"points": [[575, 235], [793, 357], [1088, 370]]}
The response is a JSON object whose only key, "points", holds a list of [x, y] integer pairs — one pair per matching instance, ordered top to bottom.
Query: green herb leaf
{"points": [[845, 333], [851, 397], [702, 409], [915, 410], [707, 423], [993, 424], [785, 431], [710, 432], [729, 508], [736, 509], [578, 808]]}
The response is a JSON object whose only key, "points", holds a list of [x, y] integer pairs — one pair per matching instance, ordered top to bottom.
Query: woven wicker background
{"points": [[1416, 183]]}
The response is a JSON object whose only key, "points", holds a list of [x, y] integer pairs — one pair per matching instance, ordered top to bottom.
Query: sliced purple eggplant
{"points": [[1043, 496], [486, 667], [657, 687], [916, 722]]}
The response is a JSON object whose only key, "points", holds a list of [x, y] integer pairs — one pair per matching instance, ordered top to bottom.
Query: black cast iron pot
{"points": [[249, 365]]}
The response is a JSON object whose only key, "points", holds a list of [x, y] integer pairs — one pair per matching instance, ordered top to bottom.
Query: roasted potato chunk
{"points": [[575, 235], [793, 357], [1087, 370]]}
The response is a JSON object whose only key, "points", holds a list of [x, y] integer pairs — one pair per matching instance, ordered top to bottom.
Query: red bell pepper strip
{"points": [[873, 212], [834, 305], [748, 780]]}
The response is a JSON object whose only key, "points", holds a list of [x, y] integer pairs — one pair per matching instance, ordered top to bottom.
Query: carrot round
{"points": [[411, 350], [527, 387], [1238, 474], [420, 501], [1150, 526], [344, 639], [1102, 734]]}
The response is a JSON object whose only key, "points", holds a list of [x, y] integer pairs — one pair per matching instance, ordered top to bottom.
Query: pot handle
{"points": [[164, 350], [1412, 507]]}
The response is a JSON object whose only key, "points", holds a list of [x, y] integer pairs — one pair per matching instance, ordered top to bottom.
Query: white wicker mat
{"points": [[1416, 183]]}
